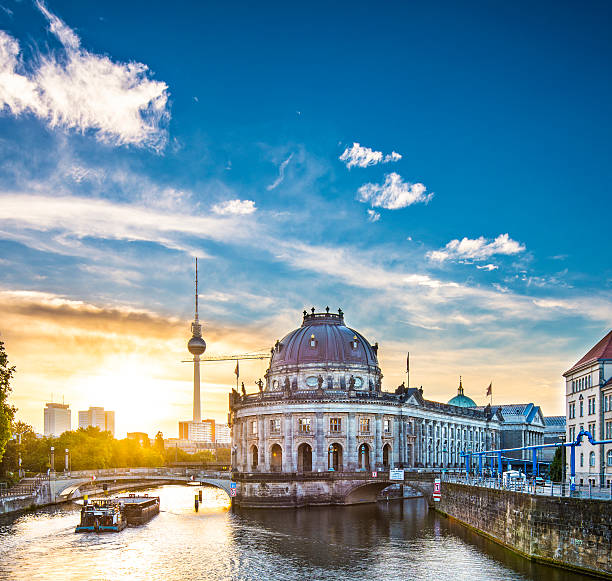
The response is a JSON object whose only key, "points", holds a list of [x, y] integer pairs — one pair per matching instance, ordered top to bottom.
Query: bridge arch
{"points": [[369, 491]]}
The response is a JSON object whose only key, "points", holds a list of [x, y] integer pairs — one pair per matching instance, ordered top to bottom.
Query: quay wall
{"points": [[572, 533]]}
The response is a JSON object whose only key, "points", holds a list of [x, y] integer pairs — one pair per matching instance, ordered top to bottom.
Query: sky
{"points": [[439, 170]]}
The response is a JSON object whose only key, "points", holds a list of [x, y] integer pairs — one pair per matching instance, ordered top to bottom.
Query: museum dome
{"points": [[323, 338], [461, 400]]}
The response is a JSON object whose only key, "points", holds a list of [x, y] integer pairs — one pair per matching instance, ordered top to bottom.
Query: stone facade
{"points": [[323, 408], [569, 532]]}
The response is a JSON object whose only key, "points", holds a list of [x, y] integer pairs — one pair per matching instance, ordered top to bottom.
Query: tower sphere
{"points": [[196, 345]]}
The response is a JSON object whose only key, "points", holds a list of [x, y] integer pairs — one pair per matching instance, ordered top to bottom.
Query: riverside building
{"points": [[588, 395], [322, 407]]}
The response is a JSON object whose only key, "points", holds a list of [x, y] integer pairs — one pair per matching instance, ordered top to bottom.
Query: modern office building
{"points": [[98, 418], [57, 419], [203, 431], [223, 434]]}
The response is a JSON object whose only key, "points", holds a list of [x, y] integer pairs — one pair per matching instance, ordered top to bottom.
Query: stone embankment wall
{"points": [[567, 532]]}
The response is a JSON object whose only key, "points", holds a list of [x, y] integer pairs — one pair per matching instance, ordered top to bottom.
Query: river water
{"points": [[396, 540]]}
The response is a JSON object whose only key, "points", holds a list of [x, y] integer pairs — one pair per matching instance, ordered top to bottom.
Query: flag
{"points": [[237, 370], [490, 389]]}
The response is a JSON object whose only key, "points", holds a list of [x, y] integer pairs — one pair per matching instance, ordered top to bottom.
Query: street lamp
{"points": [[66, 461], [52, 462]]}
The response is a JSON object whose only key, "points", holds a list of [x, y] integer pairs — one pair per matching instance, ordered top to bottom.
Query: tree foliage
{"points": [[7, 412], [91, 449], [556, 466]]}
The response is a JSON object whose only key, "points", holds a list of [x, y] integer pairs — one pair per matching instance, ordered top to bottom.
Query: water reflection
{"points": [[391, 541]]}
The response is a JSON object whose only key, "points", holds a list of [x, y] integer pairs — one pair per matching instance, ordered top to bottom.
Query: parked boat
{"points": [[138, 509], [101, 515]]}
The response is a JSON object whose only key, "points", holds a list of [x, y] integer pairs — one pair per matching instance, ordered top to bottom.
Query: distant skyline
{"points": [[441, 172]]}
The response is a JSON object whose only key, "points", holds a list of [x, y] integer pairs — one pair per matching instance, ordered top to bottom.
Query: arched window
{"points": [[387, 456], [364, 457], [276, 458], [304, 458], [609, 458], [592, 459]]}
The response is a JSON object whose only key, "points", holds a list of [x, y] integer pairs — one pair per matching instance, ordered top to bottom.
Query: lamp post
{"points": [[562, 439], [52, 461], [66, 461]]}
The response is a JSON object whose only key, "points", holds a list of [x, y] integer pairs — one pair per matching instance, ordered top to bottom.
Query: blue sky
{"points": [[439, 170]]}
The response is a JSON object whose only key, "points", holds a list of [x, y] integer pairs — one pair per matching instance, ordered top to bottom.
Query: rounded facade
{"points": [[322, 409]]}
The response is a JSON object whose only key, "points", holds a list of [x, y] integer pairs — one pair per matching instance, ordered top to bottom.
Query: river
{"points": [[396, 540]]}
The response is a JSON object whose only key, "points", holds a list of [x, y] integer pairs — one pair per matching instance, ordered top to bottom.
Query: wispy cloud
{"points": [[118, 102], [360, 156], [281, 174], [393, 193], [235, 207], [373, 216], [476, 249], [488, 267]]}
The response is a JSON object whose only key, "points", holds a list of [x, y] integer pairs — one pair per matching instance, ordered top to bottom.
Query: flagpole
{"points": [[408, 370]]}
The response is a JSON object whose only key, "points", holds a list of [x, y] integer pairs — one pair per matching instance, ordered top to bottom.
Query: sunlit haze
{"points": [[444, 178]]}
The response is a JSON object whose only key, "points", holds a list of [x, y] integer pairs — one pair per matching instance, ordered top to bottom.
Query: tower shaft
{"points": [[197, 413]]}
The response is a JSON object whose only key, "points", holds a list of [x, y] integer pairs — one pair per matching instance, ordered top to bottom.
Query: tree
{"points": [[7, 412], [159, 442], [556, 466]]}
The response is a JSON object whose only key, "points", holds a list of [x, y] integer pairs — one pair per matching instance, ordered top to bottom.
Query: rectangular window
{"points": [[581, 408], [304, 425], [335, 425], [364, 425], [275, 426], [387, 426], [254, 428], [591, 429], [608, 430], [572, 433]]}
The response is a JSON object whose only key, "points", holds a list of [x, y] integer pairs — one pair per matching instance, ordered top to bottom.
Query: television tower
{"points": [[196, 347]]}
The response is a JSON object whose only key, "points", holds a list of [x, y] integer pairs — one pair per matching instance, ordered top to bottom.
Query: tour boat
{"points": [[101, 515]]}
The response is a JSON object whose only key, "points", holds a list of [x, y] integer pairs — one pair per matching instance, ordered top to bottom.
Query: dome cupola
{"points": [[461, 400]]}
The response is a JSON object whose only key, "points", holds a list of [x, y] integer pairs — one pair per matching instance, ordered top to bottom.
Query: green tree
{"points": [[7, 412], [159, 443], [556, 466]]}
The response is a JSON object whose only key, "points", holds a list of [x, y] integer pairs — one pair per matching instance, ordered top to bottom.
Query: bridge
{"points": [[76, 484], [284, 490]]}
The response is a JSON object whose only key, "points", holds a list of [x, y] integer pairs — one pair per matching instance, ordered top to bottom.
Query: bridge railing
{"points": [[136, 472], [529, 487]]}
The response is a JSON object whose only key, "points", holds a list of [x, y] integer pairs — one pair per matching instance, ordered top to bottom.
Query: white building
{"points": [[588, 394], [98, 418], [57, 419], [203, 431], [223, 434]]}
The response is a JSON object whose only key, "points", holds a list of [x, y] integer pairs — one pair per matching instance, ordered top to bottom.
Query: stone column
{"points": [[262, 444], [350, 451], [320, 452], [377, 463], [288, 465]]}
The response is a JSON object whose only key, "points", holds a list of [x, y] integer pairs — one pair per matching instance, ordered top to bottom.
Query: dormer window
{"points": [[313, 342], [354, 343]]}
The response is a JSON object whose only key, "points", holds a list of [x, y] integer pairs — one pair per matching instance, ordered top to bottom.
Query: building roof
{"points": [[334, 342], [603, 350], [521, 412], [554, 420]]}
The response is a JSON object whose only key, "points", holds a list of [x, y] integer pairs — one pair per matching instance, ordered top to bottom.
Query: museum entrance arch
{"points": [[364, 457], [276, 458], [304, 458]]}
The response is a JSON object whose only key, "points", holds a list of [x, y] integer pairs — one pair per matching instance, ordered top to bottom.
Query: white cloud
{"points": [[118, 102], [360, 156], [281, 173], [394, 193], [235, 207], [373, 216], [477, 249], [488, 267]]}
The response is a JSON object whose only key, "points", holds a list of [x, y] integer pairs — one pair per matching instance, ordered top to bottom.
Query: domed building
{"points": [[461, 400], [322, 409]]}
